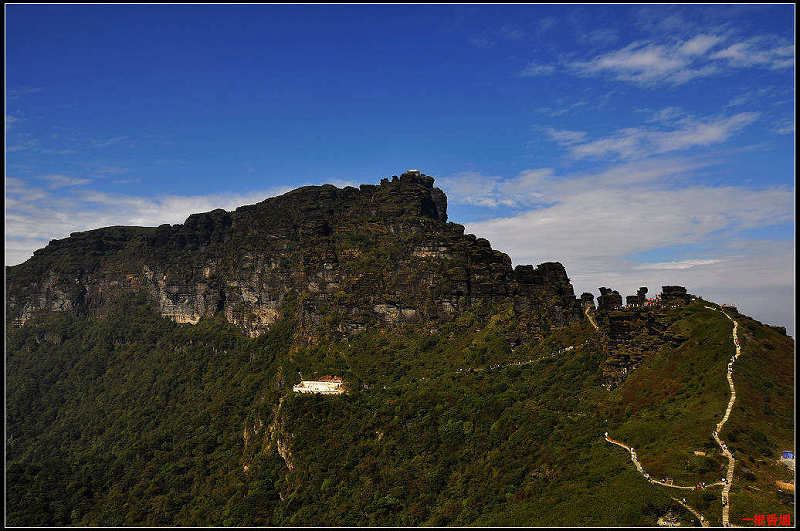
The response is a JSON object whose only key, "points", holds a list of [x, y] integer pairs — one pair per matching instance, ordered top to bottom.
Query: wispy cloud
{"points": [[699, 44], [757, 52], [645, 62], [676, 62], [673, 134], [565, 137], [61, 181], [476, 189], [679, 264]]}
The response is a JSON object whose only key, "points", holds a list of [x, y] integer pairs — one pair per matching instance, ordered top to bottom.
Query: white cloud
{"points": [[699, 44], [754, 52], [637, 62], [676, 62], [667, 115], [565, 137], [640, 142], [62, 181], [472, 188], [595, 225], [679, 264]]}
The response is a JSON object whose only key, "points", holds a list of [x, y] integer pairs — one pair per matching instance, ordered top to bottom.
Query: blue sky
{"points": [[638, 145]]}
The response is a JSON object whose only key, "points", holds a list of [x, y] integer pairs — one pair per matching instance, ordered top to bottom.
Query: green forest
{"points": [[133, 419]]}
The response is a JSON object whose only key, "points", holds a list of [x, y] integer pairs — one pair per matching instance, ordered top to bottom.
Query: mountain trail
{"points": [[591, 320]]}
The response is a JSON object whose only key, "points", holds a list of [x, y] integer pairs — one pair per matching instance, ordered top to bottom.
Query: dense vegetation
{"points": [[135, 420]]}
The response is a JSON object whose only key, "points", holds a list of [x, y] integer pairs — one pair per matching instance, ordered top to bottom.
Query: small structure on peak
{"points": [[413, 172], [327, 385]]}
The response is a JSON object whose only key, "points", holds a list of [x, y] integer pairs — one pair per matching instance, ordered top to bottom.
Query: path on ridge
{"points": [[591, 320], [731, 461], [726, 486]]}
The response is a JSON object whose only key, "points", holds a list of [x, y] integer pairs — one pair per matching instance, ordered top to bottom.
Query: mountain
{"points": [[149, 378]]}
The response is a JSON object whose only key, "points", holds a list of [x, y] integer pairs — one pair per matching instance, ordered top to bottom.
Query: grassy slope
{"points": [[137, 420]]}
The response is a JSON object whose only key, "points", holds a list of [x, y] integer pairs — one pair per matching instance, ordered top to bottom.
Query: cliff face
{"points": [[347, 257]]}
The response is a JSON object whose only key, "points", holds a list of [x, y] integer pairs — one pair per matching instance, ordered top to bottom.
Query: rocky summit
{"points": [[352, 257]]}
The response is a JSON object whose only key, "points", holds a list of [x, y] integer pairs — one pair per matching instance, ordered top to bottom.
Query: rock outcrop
{"points": [[341, 258], [641, 294], [674, 295], [608, 300], [634, 332]]}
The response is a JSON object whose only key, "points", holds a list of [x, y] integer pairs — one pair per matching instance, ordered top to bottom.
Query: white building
{"points": [[333, 387]]}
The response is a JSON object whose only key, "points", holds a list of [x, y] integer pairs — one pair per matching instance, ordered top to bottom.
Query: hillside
{"points": [[147, 384]]}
